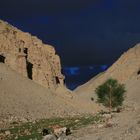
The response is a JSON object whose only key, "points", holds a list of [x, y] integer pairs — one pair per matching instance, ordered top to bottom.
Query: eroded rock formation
{"points": [[28, 56]]}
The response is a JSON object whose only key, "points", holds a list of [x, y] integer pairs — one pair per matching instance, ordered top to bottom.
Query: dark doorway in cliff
{"points": [[19, 49], [26, 50], [2, 59], [29, 70], [138, 73], [57, 80], [64, 81]]}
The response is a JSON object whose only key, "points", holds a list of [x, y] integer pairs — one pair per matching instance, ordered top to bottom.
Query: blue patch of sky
{"points": [[104, 67], [70, 71], [76, 76]]}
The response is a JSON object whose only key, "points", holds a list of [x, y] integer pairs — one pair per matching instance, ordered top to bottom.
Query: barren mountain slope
{"points": [[126, 67], [23, 98], [126, 125]]}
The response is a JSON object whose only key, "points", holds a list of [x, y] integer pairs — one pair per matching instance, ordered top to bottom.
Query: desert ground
{"points": [[22, 96], [30, 104], [126, 125]]}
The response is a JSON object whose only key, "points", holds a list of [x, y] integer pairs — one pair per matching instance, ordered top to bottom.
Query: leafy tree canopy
{"points": [[111, 93]]}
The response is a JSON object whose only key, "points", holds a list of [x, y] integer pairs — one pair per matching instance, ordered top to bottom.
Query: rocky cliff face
{"points": [[28, 56]]}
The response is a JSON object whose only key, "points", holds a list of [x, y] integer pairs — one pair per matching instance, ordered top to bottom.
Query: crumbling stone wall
{"points": [[28, 56]]}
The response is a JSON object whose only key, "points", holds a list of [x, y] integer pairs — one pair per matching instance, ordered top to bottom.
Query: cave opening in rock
{"points": [[19, 50], [26, 50], [2, 59], [30, 70], [138, 73], [57, 80]]}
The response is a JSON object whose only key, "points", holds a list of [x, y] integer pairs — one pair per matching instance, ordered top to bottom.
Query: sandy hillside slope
{"points": [[126, 67], [23, 98], [126, 125]]}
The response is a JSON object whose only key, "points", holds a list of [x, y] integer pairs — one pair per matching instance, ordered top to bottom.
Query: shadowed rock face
{"points": [[28, 56]]}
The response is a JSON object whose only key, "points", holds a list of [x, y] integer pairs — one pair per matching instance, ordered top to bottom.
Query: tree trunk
{"points": [[110, 100]]}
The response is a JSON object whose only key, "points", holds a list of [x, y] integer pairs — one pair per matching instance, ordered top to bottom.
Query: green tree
{"points": [[111, 94]]}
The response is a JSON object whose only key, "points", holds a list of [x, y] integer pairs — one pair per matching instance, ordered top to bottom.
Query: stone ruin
{"points": [[28, 56]]}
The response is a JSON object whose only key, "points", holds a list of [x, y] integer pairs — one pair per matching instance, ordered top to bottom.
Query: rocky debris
{"points": [[28, 56], [107, 116], [10, 120], [106, 122], [110, 123], [100, 125], [68, 131], [45, 132], [7, 133], [58, 133], [2, 136], [16, 137], [49, 137], [54, 137], [62, 137]]}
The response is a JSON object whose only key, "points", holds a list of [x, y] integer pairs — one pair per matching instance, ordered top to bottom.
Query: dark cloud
{"points": [[26, 8], [84, 32]]}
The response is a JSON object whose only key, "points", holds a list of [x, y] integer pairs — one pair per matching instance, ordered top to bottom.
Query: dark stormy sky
{"points": [[84, 32]]}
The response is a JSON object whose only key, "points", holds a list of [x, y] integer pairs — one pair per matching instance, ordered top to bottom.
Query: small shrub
{"points": [[111, 94]]}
